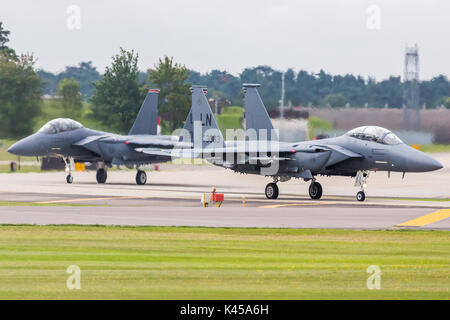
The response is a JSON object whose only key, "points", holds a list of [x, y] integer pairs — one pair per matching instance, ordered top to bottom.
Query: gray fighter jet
{"points": [[71, 141], [354, 154]]}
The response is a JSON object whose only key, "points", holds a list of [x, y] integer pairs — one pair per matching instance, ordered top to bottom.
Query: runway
{"points": [[172, 198]]}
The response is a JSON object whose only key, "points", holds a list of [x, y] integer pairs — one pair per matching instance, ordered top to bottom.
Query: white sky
{"points": [[234, 34]]}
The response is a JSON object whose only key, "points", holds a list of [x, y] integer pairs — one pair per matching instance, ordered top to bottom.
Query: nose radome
{"points": [[25, 147], [15, 148], [421, 162], [432, 164]]}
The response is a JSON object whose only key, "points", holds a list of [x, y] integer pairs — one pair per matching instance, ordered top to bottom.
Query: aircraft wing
{"points": [[87, 140], [338, 153]]}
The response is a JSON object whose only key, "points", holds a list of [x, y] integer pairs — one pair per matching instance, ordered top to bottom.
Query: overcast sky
{"points": [[339, 36]]}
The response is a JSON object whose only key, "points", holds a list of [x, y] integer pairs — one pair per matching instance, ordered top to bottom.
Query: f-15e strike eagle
{"points": [[71, 141], [354, 154]]}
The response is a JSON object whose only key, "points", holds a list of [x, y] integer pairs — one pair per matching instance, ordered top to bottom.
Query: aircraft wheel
{"points": [[101, 175], [141, 177], [69, 178], [271, 191], [315, 191], [361, 196]]}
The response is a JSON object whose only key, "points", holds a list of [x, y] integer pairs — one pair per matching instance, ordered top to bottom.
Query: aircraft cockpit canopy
{"points": [[60, 125], [375, 134]]}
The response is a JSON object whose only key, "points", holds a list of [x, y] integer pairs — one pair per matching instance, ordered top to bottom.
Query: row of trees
{"points": [[85, 74], [301, 88], [321, 89]]}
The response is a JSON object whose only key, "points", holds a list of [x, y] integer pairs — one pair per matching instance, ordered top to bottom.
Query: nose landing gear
{"points": [[70, 165], [360, 181], [360, 196]]}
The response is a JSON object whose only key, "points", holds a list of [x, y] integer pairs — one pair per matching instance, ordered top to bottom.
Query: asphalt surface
{"points": [[172, 198]]}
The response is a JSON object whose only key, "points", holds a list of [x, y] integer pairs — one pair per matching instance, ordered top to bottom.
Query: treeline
{"points": [[85, 73], [301, 88], [322, 89]]}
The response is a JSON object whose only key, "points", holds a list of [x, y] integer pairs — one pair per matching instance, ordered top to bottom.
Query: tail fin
{"points": [[256, 116], [146, 120], [200, 123]]}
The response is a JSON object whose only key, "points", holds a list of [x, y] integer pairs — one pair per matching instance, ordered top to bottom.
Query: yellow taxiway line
{"points": [[427, 219]]}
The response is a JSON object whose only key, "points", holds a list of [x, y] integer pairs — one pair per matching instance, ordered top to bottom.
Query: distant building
{"points": [[221, 103]]}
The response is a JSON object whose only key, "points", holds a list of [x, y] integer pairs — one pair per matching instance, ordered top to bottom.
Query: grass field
{"points": [[231, 118], [435, 148], [219, 263]]}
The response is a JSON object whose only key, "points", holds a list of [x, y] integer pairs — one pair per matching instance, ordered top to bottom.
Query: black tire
{"points": [[101, 175], [141, 177], [69, 178], [272, 191], [315, 191], [361, 196]]}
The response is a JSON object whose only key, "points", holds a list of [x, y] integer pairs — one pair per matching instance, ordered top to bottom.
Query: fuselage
{"points": [[83, 144], [343, 155]]}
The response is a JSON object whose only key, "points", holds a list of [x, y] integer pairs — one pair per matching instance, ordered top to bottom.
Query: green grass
{"points": [[231, 118], [317, 125], [435, 148], [221, 263]]}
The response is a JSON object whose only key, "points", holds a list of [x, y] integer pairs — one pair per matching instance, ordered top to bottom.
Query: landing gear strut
{"points": [[69, 165], [101, 175], [141, 177], [360, 181], [315, 190]]}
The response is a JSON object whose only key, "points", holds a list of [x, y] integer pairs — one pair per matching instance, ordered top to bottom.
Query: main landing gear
{"points": [[101, 175], [141, 177], [360, 181], [272, 190], [315, 190]]}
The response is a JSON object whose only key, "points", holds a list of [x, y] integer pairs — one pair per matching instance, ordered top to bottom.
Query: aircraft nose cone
{"points": [[24, 147], [16, 148], [421, 162], [432, 164]]}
